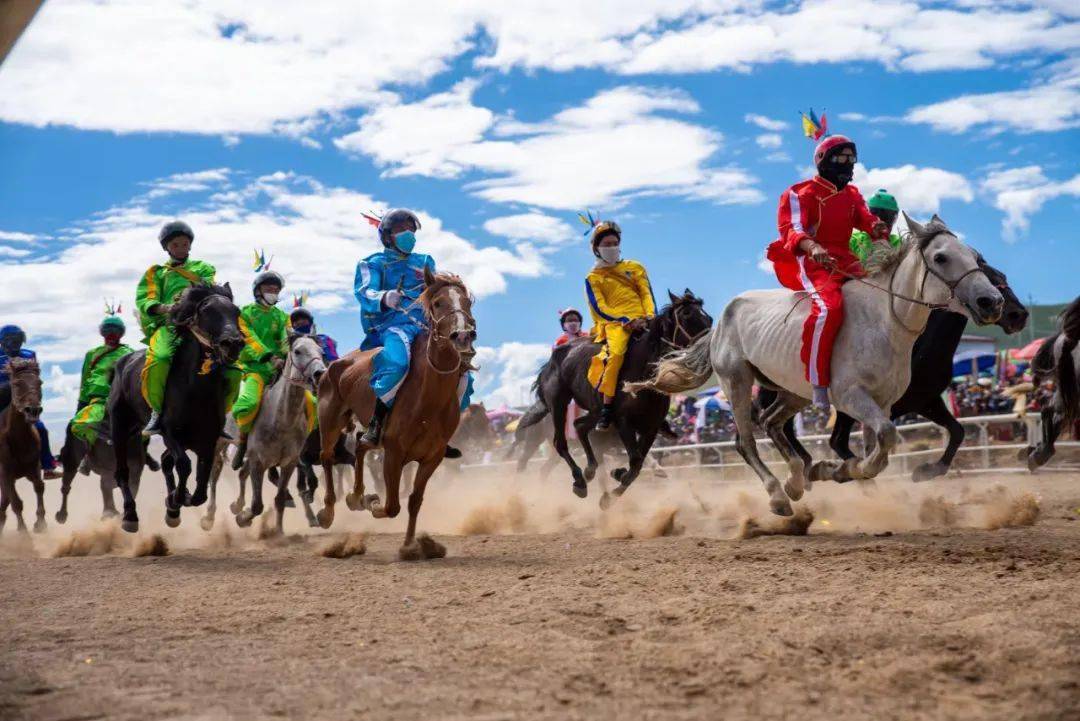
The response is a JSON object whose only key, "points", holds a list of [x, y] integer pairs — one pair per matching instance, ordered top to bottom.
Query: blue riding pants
{"points": [[391, 365]]}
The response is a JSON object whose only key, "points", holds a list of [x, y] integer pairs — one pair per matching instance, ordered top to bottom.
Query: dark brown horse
{"points": [[425, 415], [474, 435], [20, 445]]}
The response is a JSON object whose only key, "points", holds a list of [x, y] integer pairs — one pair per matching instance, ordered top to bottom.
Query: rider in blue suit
{"points": [[388, 285], [12, 338]]}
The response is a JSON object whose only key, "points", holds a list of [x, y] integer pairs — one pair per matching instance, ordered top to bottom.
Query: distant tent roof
{"points": [[1027, 352]]}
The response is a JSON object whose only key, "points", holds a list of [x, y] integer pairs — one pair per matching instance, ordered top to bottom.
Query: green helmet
{"points": [[881, 200], [112, 323]]}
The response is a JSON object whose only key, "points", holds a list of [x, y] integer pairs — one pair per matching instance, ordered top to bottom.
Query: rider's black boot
{"points": [[607, 415], [373, 435], [241, 451], [451, 452]]}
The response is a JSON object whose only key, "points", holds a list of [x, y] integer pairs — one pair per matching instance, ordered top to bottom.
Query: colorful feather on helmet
{"points": [[814, 128], [372, 218], [587, 219], [261, 263], [299, 301], [113, 308]]}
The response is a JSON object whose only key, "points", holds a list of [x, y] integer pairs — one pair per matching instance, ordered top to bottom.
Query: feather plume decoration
{"points": [[813, 127], [372, 218], [587, 219], [261, 263]]}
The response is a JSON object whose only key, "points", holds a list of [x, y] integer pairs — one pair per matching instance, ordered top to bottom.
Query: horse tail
{"points": [[679, 371], [1067, 381], [534, 415]]}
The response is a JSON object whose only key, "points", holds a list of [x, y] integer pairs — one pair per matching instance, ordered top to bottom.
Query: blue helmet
{"points": [[12, 332]]}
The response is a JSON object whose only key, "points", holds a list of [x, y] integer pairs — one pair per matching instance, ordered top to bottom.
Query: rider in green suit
{"points": [[96, 378]]}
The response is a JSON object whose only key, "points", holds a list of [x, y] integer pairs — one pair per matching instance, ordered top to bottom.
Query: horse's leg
{"points": [[738, 388], [858, 404], [938, 412], [558, 418], [584, 425], [329, 430], [789, 432], [121, 433], [840, 439], [637, 445], [1038, 454], [393, 463], [168, 470], [204, 470], [797, 482], [65, 489], [39, 491], [178, 495], [241, 495], [282, 495], [5, 499], [306, 499], [355, 500], [16, 504], [108, 507], [247, 515], [207, 521], [412, 549]]}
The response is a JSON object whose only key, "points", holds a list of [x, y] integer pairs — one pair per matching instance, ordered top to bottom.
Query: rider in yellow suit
{"points": [[621, 303]]}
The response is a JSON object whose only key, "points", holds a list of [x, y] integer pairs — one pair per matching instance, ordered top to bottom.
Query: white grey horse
{"points": [[759, 335], [277, 436]]}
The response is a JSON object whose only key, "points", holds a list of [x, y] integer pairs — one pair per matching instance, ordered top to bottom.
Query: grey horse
{"points": [[277, 437]]}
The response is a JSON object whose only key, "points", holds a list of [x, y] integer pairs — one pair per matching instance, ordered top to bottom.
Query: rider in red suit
{"points": [[816, 218], [570, 320]]}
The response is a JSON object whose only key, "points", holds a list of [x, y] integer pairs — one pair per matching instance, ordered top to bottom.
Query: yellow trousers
{"points": [[605, 366]]}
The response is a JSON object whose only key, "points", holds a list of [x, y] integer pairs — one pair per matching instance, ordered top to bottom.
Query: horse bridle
{"points": [[435, 336], [690, 339], [302, 379]]}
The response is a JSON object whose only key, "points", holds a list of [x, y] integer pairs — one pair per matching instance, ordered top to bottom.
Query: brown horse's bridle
{"points": [[435, 337]]}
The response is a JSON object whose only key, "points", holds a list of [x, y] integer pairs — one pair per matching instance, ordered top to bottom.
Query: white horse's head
{"points": [[953, 272], [305, 365]]}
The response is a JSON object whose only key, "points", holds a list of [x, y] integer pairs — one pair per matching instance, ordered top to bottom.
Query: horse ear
{"points": [[936, 220], [917, 229], [429, 277], [228, 290], [674, 298]]}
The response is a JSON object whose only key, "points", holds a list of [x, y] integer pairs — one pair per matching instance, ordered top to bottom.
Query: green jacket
{"points": [[861, 243], [164, 284], [266, 335], [97, 371]]}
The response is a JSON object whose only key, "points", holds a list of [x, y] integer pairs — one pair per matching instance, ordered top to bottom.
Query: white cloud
{"points": [[228, 67], [1047, 107], [853, 117], [764, 122], [770, 141], [616, 145], [917, 190], [1022, 192], [533, 226], [314, 232], [12, 236], [6, 251], [507, 372]]}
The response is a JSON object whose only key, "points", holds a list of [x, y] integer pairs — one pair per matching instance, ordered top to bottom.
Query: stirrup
{"points": [[153, 426]]}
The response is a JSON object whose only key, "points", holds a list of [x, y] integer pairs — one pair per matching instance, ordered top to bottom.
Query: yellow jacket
{"points": [[619, 293]]}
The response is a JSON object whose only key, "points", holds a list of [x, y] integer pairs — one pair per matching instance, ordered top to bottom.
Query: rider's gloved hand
{"points": [[880, 230], [818, 254], [392, 299], [278, 362]]}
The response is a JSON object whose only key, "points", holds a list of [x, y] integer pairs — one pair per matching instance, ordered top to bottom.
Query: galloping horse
{"points": [[759, 336], [1057, 358], [931, 373], [195, 395], [425, 415], [638, 418], [278, 435], [474, 435], [20, 445], [99, 459]]}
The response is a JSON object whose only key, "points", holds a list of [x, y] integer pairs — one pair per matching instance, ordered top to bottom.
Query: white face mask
{"points": [[610, 254], [270, 298], [572, 326]]}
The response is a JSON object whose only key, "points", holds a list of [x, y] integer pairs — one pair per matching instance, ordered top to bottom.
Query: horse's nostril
{"points": [[985, 302]]}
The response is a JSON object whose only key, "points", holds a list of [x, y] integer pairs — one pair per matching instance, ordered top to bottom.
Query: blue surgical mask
{"points": [[405, 241]]}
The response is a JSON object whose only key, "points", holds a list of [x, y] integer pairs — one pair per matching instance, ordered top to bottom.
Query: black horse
{"points": [[208, 327], [1057, 359], [931, 373], [638, 418], [77, 455]]}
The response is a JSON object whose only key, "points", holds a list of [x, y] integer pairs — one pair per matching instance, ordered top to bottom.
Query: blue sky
{"points": [[276, 126]]}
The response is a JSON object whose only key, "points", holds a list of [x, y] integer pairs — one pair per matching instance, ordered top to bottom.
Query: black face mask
{"points": [[839, 174], [887, 216], [10, 347]]}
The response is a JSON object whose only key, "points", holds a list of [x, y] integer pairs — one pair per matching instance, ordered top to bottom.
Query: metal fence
{"points": [[979, 452]]}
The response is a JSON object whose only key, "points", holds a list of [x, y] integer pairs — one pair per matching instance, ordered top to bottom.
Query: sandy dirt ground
{"points": [[958, 599]]}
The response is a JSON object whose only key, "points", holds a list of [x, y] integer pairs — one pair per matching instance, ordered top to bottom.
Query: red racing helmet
{"points": [[829, 143]]}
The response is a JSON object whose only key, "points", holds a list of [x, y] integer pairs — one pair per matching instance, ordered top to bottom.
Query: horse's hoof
{"points": [[1024, 453], [1033, 462], [927, 471], [590, 472], [619, 473], [580, 490], [792, 491], [308, 496], [183, 498], [197, 499], [371, 500], [605, 501], [290, 502], [353, 502], [235, 507], [781, 507], [108, 514], [61, 517], [325, 517], [244, 518], [172, 521], [313, 522], [207, 523], [40, 525], [130, 526], [431, 548], [410, 551]]}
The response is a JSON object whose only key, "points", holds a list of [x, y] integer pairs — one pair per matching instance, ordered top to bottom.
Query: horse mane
{"points": [[884, 257], [438, 283], [189, 300], [1070, 321], [22, 365]]}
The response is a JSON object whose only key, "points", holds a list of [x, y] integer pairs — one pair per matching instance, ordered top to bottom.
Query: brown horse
{"points": [[425, 414], [20, 445]]}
